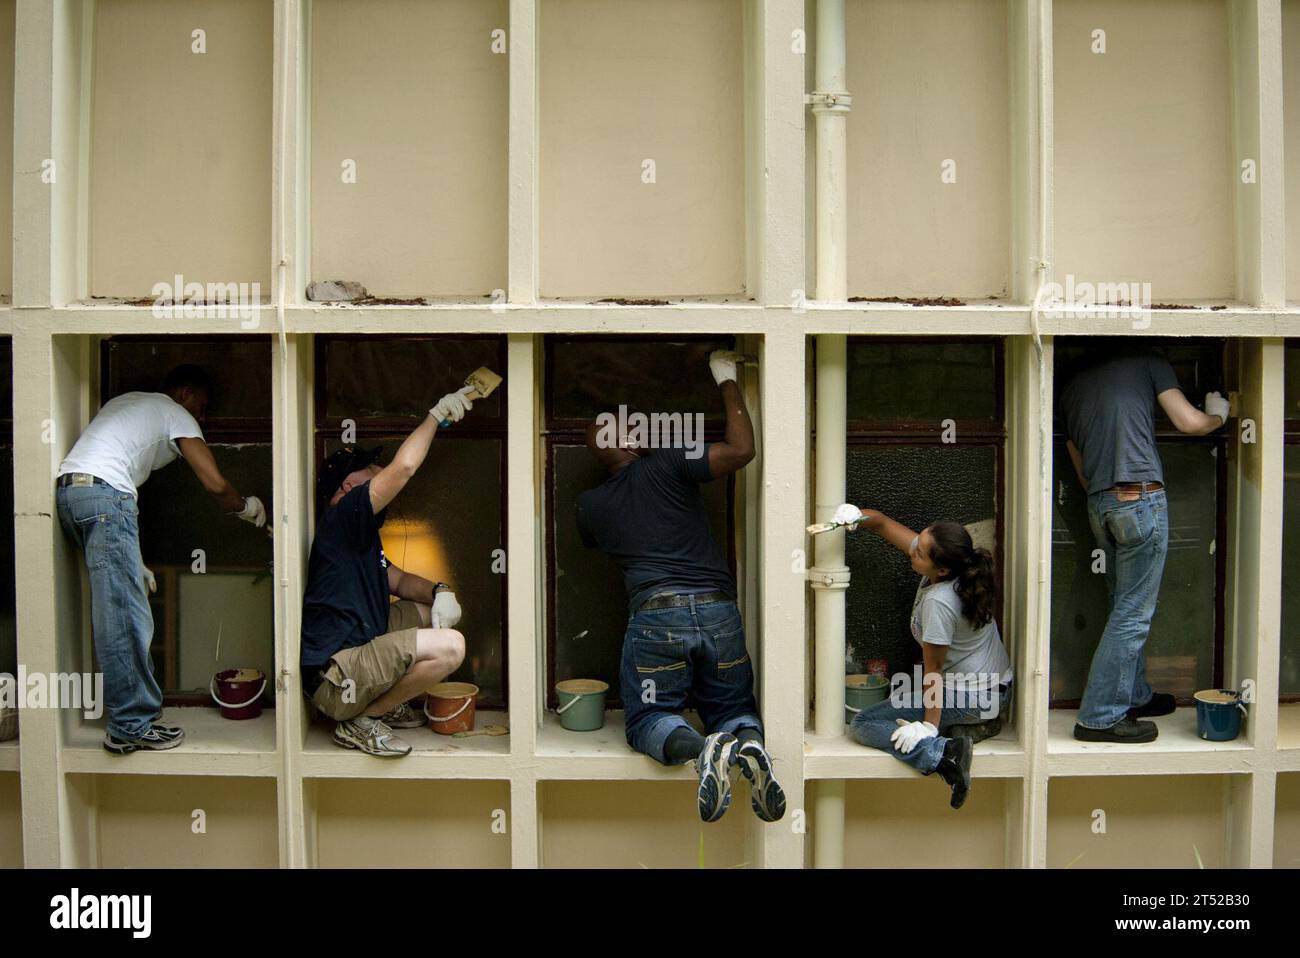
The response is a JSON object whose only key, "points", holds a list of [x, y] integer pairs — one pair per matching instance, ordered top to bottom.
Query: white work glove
{"points": [[722, 363], [1216, 405], [453, 406], [253, 511], [848, 515], [150, 583], [446, 611], [909, 734]]}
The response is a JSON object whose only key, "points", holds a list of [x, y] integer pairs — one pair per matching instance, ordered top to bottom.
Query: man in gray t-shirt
{"points": [[1109, 412]]}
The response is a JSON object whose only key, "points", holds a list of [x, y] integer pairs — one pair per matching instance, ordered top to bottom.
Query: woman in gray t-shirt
{"points": [[966, 675]]}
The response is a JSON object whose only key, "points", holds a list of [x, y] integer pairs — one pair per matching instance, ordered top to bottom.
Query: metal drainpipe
{"points": [[829, 577]]}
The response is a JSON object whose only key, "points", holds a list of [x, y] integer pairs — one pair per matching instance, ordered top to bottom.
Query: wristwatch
{"points": [[440, 587]]}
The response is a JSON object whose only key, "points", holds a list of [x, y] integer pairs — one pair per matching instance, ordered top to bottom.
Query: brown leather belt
{"points": [[1136, 487], [669, 600]]}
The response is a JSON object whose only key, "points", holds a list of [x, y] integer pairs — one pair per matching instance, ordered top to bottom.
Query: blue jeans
{"points": [[104, 523], [1135, 538], [692, 652], [874, 725]]}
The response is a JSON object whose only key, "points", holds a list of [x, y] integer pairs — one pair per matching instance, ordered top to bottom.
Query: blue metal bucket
{"points": [[1218, 714]]}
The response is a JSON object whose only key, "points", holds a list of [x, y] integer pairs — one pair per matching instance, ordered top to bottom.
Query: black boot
{"points": [[954, 768]]}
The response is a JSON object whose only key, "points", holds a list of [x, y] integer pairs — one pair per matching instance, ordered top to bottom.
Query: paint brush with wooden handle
{"points": [[483, 382]]}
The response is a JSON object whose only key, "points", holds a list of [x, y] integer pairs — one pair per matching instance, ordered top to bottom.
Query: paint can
{"points": [[863, 691], [238, 692], [582, 704], [449, 707], [1218, 714]]}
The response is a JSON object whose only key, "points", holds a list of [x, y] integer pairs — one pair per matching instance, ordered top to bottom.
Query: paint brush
{"points": [[482, 382]]}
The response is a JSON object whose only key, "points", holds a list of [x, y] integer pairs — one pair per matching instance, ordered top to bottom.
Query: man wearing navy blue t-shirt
{"points": [[684, 635], [364, 657]]}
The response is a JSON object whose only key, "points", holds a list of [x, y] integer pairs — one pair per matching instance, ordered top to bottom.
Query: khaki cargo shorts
{"points": [[353, 678]]}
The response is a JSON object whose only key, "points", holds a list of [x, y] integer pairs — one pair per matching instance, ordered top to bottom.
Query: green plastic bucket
{"points": [[863, 691], [582, 704]]}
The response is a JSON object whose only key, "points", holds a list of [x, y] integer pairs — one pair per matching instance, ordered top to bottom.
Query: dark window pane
{"points": [[240, 370], [590, 377], [402, 378], [6, 379], [922, 382], [1292, 386], [917, 485], [177, 516], [444, 526], [590, 603], [8, 620], [1180, 650], [1290, 684]]}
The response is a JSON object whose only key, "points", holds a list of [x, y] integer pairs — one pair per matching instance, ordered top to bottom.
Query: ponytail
{"points": [[970, 570]]}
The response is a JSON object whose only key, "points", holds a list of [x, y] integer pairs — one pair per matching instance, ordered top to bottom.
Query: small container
{"points": [[863, 691], [238, 692], [582, 704], [449, 707], [1218, 714]]}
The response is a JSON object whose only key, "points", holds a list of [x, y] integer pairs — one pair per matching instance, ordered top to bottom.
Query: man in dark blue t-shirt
{"points": [[1109, 411], [684, 636], [364, 658]]}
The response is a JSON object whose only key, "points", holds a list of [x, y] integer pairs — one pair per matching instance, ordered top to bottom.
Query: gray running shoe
{"points": [[403, 716], [370, 735], [157, 739], [714, 767]]}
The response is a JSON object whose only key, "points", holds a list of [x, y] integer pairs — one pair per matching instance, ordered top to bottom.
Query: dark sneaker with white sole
{"points": [[404, 716], [1125, 730], [371, 736], [159, 738], [714, 767], [954, 768], [765, 793]]}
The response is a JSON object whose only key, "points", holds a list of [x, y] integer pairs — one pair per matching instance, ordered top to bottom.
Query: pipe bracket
{"points": [[829, 102], [833, 580]]}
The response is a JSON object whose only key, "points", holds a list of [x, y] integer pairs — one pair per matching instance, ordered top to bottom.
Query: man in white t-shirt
{"points": [[131, 436]]}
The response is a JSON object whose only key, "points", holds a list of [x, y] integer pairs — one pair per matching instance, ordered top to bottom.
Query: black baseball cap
{"points": [[341, 464]]}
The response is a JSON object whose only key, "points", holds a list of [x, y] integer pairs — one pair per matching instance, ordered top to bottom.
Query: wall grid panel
{"points": [[55, 330]]}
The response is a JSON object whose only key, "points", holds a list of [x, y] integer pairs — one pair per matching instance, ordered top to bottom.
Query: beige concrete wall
{"points": [[929, 81], [621, 82], [414, 95], [1291, 141], [6, 147], [180, 154], [1144, 165], [11, 821], [240, 821], [1149, 822], [368, 823], [907, 823], [637, 825], [1286, 830]]}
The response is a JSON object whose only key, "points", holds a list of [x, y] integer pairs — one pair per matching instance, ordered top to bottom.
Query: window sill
{"points": [[213, 746], [1177, 750], [602, 754], [432, 755], [839, 757]]}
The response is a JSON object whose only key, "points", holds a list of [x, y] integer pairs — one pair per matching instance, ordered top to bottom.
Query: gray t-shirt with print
{"points": [[976, 659]]}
